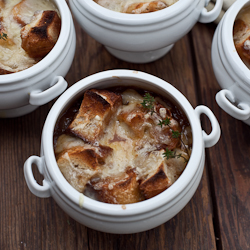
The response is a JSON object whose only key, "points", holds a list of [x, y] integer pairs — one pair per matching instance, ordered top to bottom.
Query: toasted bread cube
{"points": [[139, 8], [23, 11], [41, 34], [241, 35], [94, 114], [134, 119], [66, 142], [78, 165], [164, 174], [156, 183], [122, 189]]}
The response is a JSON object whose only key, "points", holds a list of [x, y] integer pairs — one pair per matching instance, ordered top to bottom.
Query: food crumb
{"points": [[81, 200], [123, 207]]}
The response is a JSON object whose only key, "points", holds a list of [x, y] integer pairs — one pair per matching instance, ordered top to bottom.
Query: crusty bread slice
{"points": [[139, 8], [23, 11], [41, 34], [241, 36], [94, 114], [134, 119], [66, 142], [78, 165], [164, 173], [156, 179], [123, 189]]}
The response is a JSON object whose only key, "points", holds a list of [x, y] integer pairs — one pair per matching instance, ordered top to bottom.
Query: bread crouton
{"points": [[139, 8], [41, 34], [94, 114], [134, 119], [66, 142], [78, 165], [156, 182], [123, 189]]}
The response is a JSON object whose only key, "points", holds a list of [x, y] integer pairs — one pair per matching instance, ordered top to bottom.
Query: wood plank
{"points": [[229, 160], [28, 222]]}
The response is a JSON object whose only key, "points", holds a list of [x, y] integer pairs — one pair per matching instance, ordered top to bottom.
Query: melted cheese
{"points": [[122, 5], [12, 56], [139, 153]]}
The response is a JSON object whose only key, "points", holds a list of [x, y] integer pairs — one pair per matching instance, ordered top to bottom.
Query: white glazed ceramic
{"points": [[141, 38], [231, 73], [23, 92], [112, 218]]}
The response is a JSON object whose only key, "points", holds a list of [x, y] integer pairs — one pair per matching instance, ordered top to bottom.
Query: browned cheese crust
{"points": [[139, 8], [41, 34], [94, 114], [123, 189]]}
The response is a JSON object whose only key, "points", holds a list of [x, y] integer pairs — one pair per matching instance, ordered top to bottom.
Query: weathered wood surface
{"points": [[218, 215]]}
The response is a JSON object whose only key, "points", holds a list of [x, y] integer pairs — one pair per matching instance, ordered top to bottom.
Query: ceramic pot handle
{"points": [[210, 16], [38, 97], [225, 100], [211, 139], [42, 191]]}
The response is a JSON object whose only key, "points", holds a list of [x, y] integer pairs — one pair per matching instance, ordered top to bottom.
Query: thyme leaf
{"points": [[3, 36], [148, 102]]}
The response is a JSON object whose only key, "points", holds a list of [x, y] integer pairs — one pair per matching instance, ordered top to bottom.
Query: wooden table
{"points": [[218, 215]]}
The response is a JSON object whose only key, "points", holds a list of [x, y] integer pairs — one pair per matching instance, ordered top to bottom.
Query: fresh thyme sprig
{"points": [[3, 36], [148, 103], [172, 154]]}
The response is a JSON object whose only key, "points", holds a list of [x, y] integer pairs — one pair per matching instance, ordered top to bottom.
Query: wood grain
{"points": [[217, 217]]}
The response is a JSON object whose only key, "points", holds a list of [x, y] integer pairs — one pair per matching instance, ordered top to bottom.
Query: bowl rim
{"points": [[102, 13], [229, 50], [52, 55], [83, 202]]}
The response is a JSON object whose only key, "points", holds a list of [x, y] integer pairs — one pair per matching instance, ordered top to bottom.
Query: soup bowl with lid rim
{"points": [[141, 38], [230, 71], [23, 92], [113, 218]]}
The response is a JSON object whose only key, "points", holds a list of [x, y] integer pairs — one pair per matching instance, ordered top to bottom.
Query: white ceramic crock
{"points": [[141, 38], [231, 73], [23, 92], [112, 218]]}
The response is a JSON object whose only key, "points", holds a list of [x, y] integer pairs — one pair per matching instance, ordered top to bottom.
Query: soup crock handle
{"points": [[210, 16], [38, 97], [225, 100], [212, 138], [42, 191]]}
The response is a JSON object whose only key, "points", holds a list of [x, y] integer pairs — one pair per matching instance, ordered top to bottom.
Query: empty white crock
{"points": [[141, 38], [231, 73], [24, 91], [131, 218]]}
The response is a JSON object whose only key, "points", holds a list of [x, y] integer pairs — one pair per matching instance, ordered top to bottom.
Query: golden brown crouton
{"points": [[138, 8], [41, 34], [94, 114], [134, 119], [78, 165], [155, 183], [122, 189]]}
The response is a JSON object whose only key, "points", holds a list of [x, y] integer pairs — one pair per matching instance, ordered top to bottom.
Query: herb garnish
{"points": [[3, 36], [148, 103]]}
